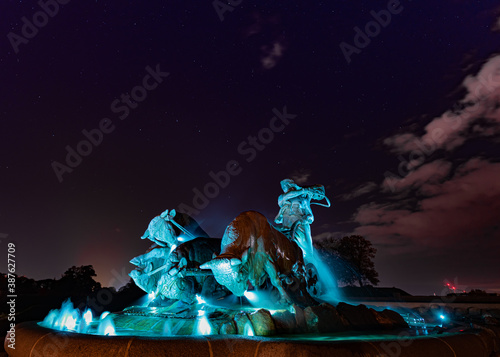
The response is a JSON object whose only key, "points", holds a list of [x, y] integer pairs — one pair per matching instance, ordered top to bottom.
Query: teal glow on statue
{"points": [[295, 216], [253, 254], [163, 270]]}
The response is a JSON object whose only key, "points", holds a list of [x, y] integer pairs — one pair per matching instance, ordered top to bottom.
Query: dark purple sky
{"points": [[401, 127]]}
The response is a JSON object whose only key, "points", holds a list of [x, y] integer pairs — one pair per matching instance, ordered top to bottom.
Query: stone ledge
{"points": [[34, 341]]}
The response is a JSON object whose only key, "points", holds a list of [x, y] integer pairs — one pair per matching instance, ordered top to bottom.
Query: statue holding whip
{"points": [[295, 215]]}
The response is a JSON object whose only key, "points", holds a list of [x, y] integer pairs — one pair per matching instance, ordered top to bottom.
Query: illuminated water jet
{"points": [[327, 283], [87, 316], [106, 327], [203, 327], [248, 331]]}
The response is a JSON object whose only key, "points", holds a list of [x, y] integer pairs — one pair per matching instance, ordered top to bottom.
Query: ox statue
{"points": [[252, 250]]}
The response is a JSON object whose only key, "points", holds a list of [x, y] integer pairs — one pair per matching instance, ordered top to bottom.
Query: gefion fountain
{"points": [[261, 290]]}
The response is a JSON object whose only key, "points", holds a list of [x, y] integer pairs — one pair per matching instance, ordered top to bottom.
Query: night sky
{"points": [[401, 127]]}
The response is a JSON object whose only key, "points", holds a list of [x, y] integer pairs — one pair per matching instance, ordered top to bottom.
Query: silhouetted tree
{"points": [[351, 259], [342, 270], [79, 281], [26, 285], [46, 285], [130, 287]]}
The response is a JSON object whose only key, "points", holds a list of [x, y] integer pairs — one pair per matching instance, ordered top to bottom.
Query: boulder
{"points": [[359, 317], [323, 318], [300, 319], [391, 319], [241, 320], [284, 321], [262, 322], [228, 328]]}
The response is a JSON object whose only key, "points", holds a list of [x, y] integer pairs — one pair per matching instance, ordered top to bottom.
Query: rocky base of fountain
{"points": [[179, 319]]}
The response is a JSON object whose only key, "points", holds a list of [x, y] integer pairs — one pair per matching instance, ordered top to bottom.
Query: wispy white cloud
{"points": [[496, 26], [272, 43], [271, 54], [477, 115], [432, 172], [300, 177], [359, 191], [451, 202], [459, 210], [328, 235]]}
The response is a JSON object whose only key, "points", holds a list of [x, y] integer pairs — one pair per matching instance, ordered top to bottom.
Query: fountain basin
{"points": [[33, 340]]}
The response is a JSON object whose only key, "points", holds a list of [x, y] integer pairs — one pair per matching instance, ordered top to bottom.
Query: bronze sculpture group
{"points": [[252, 254]]}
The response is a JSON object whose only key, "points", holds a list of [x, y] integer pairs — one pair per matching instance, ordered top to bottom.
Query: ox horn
{"points": [[235, 261], [207, 265]]}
